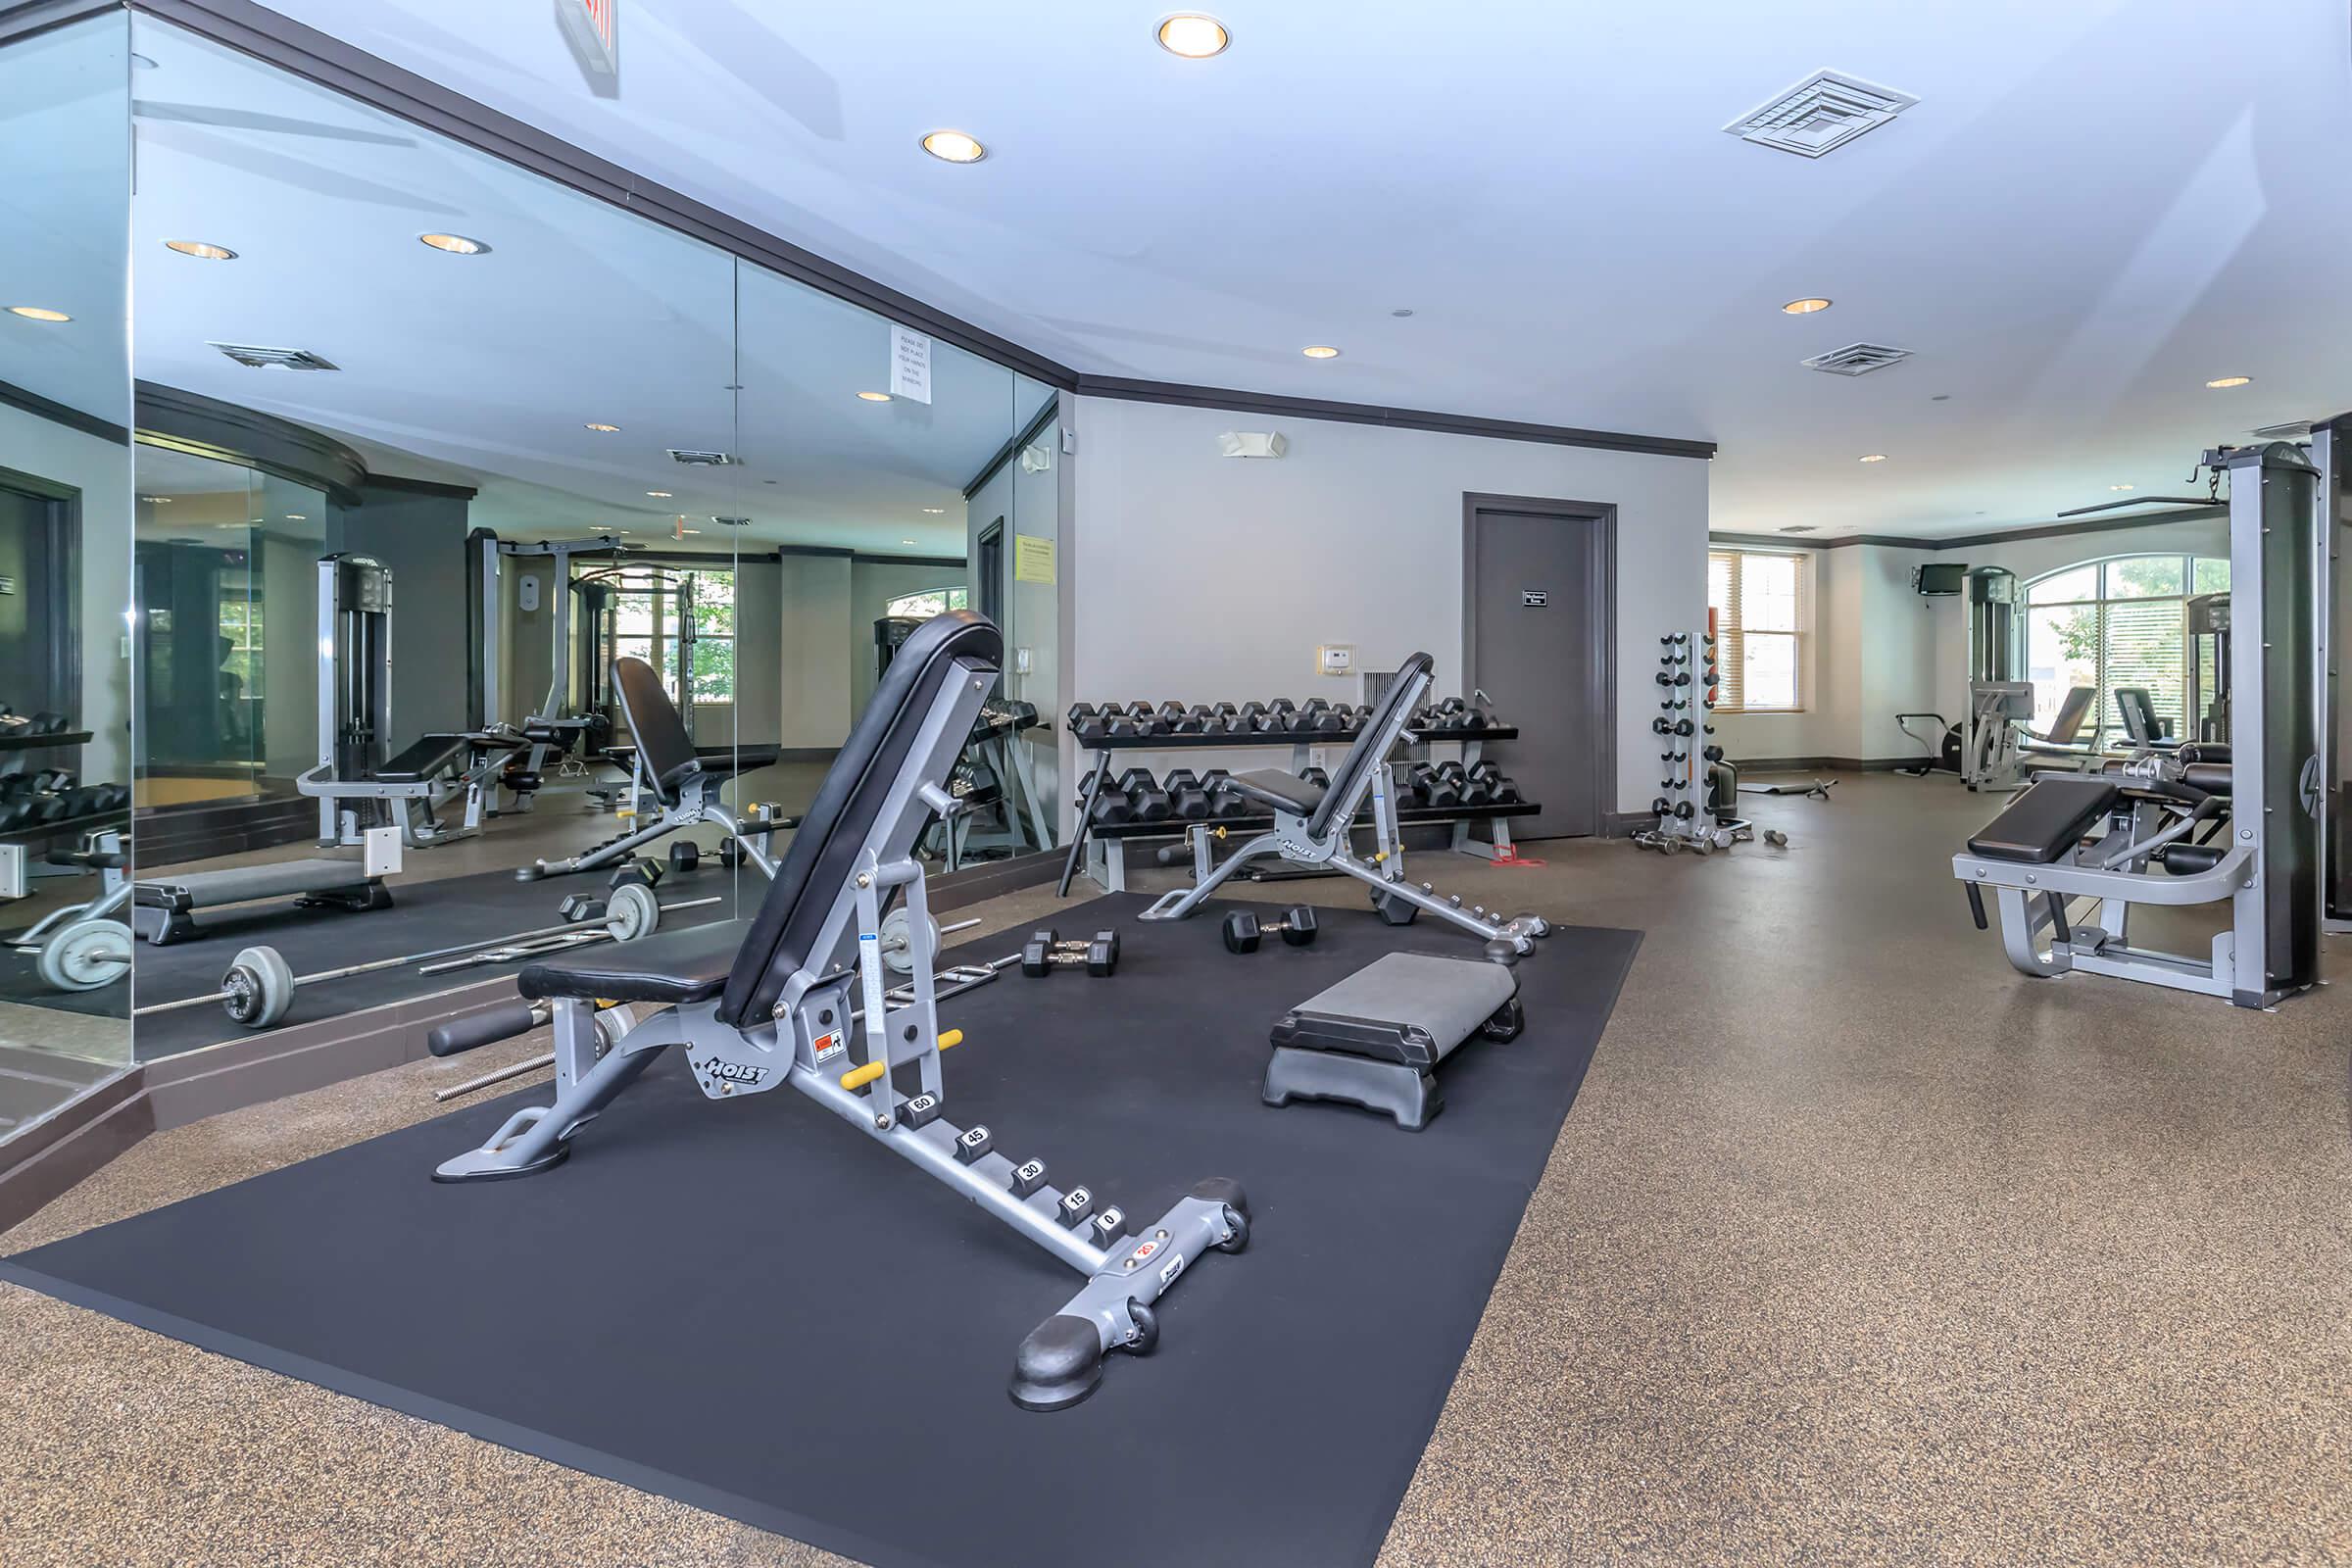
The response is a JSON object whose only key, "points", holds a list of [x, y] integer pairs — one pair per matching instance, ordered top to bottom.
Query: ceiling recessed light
{"points": [[1193, 37], [955, 147], [455, 244], [201, 250], [1804, 307], [38, 312], [1320, 351], [2230, 381], [876, 397], [604, 429], [1871, 457], [2119, 487], [659, 495], [157, 501], [937, 511], [297, 517], [689, 530], [905, 541]]}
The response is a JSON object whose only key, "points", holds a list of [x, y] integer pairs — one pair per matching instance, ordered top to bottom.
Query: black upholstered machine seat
{"points": [[421, 760], [1281, 792], [2047, 821], [670, 967]]}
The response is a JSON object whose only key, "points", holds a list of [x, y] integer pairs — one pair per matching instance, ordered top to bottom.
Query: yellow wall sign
{"points": [[1032, 559]]}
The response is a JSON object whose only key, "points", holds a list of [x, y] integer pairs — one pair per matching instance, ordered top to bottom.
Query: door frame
{"points": [[64, 588], [1602, 608]]}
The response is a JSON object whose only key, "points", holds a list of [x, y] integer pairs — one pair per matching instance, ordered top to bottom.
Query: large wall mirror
{"points": [[64, 567], [509, 567]]}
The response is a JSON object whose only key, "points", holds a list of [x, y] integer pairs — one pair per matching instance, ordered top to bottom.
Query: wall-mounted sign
{"points": [[592, 29], [910, 365], [1032, 559], [1535, 598]]}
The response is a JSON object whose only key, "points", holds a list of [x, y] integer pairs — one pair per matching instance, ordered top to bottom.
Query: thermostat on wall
{"points": [[1335, 659]]}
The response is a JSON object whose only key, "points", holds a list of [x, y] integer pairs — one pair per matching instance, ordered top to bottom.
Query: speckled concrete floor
{"points": [[1856, 1248]]}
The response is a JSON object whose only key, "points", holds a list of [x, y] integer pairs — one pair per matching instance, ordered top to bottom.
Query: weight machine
{"points": [[2240, 824]]}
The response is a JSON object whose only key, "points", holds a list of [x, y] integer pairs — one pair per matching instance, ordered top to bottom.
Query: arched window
{"points": [[2115, 622]]}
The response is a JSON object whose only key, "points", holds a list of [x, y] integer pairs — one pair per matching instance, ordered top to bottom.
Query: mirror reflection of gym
{"points": [[65, 545], [468, 632]]}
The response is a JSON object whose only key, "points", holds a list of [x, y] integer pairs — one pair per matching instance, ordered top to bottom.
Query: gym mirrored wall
{"points": [[508, 567], [65, 569]]}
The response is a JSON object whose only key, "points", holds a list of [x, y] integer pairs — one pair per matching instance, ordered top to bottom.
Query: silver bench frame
{"points": [[1291, 839], [807, 1042]]}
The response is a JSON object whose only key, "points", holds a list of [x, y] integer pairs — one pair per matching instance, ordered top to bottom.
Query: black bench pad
{"points": [[421, 760], [1283, 792], [2046, 821], [669, 967]]}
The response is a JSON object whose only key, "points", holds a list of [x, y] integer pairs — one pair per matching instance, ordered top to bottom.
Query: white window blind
{"points": [[1761, 616], [2114, 623]]}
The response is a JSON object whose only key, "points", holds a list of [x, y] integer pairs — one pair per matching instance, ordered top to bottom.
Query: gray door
{"points": [[1537, 636]]}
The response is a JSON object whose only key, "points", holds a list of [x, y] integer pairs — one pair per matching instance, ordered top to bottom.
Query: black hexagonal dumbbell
{"points": [[1087, 725], [1144, 797], [1188, 797], [1224, 799], [635, 869], [576, 907], [1243, 930], [1044, 952]]}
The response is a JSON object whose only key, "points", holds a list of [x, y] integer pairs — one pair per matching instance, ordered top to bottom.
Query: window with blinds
{"points": [[1761, 600], [2114, 623]]}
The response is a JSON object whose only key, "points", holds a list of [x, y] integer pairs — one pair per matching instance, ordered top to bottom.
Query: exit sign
{"points": [[592, 27]]}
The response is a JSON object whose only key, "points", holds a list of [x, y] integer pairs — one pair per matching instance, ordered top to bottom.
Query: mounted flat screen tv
{"points": [[1941, 579]]}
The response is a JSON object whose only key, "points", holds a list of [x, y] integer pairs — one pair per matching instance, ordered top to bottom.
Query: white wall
{"points": [[101, 470], [1209, 578], [813, 609], [1878, 648]]}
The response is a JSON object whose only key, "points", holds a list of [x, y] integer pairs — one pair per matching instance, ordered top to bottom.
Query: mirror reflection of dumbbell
{"points": [[1243, 930], [1044, 952]]}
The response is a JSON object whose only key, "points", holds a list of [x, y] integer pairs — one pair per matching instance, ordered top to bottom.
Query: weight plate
{"points": [[632, 911], [898, 954], [86, 955], [261, 987]]}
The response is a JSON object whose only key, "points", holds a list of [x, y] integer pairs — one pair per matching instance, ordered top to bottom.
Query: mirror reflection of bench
{"points": [[671, 782]]}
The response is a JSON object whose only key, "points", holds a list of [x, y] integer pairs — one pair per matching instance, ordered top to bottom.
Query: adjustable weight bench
{"points": [[681, 785], [1312, 823], [780, 998]]}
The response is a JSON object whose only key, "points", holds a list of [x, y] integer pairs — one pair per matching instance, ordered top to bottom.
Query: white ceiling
{"points": [[65, 163], [2097, 206], [486, 369]]}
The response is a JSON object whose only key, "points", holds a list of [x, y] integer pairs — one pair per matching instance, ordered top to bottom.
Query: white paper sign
{"points": [[909, 365]]}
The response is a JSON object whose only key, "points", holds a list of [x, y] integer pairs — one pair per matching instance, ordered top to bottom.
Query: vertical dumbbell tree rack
{"points": [[1686, 695]]}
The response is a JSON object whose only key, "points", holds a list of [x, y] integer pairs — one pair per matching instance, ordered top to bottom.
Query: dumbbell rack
{"points": [[1684, 818], [1105, 843]]}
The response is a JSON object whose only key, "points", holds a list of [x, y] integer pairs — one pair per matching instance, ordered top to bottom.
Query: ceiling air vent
{"points": [[1820, 113], [1857, 358], [261, 359], [2294, 430], [705, 459], [732, 522], [1802, 528]]}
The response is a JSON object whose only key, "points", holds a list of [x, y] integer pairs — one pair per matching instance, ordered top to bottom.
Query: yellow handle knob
{"points": [[953, 1037], [860, 1077]]}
